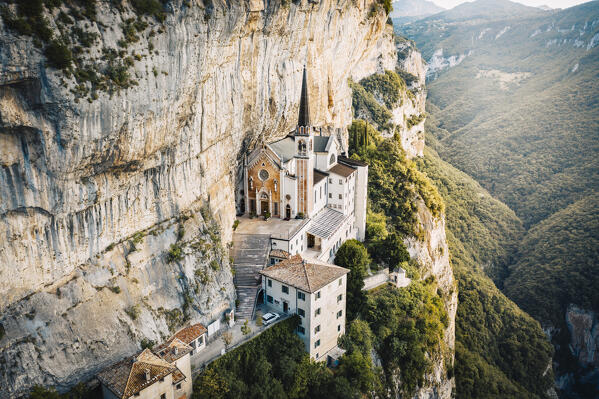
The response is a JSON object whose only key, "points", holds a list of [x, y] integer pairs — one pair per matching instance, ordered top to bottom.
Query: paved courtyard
{"points": [[277, 228]]}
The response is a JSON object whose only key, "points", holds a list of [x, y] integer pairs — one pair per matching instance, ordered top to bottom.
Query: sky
{"points": [[533, 3]]}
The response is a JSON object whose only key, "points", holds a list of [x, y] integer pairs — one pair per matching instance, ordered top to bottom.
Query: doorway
{"points": [[287, 212], [310, 241], [285, 307]]}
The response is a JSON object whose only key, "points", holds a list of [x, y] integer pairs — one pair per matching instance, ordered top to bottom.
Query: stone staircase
{"points": [[250, 255]]}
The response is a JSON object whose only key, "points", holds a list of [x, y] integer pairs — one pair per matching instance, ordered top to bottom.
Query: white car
{"points": [[270, 318]]}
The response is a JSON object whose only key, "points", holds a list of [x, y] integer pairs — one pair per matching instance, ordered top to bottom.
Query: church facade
{"points": [[306, 175]]}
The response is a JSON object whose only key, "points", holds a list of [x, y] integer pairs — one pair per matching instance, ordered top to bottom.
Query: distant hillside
{"points": [[414, 8], [514, 102], [491, 331]]}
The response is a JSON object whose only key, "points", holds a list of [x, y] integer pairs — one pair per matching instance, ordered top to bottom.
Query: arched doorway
{"points": [[264, 205], [288, 212]]}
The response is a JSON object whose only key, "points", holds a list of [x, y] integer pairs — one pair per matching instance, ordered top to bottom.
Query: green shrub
{"points": [[58, 54], [175, 254], [116, 289], [133, 312], [146, 343]]}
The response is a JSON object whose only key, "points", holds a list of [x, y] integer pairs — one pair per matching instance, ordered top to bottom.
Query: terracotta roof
{"points": [[351, 162], [342, 170], [319, 176], [279, 253], [309, 276], [190, 333], [172, 350], [178, 376], [128, 377]]}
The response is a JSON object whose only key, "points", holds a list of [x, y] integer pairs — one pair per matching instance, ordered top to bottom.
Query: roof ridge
{"points": [[306, 273]]}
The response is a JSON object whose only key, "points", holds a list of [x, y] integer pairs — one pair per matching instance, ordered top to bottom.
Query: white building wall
{"points": [[320, 195], [360, 198], [331, 326], [184, 364], [155, 390]]}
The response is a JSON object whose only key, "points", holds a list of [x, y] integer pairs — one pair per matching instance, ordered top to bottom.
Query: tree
{"points": [[393, 251], [354, 256], [227, 338], [39, 392]]}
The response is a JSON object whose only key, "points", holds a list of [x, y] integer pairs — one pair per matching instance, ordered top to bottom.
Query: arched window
{"points": [[301, 147], [332, 160], [275, 181], [251, 183], [264, 196]]}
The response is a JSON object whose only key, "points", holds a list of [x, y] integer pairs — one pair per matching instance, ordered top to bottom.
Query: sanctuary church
{"points": [[307, 176]]}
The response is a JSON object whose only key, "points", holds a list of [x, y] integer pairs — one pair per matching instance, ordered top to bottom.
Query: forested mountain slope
{"points": [[513, 101]]}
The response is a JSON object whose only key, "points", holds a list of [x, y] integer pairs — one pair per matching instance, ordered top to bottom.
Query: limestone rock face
{"points": [[83, 184], [433, 253]]}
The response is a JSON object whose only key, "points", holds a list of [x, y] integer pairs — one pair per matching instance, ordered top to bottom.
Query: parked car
{"points": [[270, 318]]}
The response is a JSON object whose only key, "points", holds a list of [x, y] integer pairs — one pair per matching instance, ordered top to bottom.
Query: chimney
{"points": [[176, 350], [147, 374]]}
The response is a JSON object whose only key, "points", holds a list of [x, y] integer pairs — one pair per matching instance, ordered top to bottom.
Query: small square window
{"points": [[330, 180], [330, 195], [340, 196], [340, 281], [269, 282], [285, 289], [301, 295], [318, 295], [268, 298], [339, 298], [301, 312], [317, 312], [339, 313], [317, 329], [317, 344], [179, 386]]}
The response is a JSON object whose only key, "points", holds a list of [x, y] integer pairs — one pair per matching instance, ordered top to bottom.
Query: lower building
{"points": [[314, 290]]}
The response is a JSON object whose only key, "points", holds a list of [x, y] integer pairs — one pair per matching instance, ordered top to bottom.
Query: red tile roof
{"points": [[190, 333]]}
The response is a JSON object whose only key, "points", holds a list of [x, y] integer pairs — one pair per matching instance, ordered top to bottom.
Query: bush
{"points": [[149, 7], [58, 54], [175, 254], [353, 256], [133, 312], [146, 343]]}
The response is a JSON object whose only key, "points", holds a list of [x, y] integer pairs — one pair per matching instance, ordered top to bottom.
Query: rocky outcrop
{"points": [[92, 193], [432, 253]]}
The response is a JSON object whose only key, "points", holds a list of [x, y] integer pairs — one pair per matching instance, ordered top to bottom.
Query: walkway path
{"points": [[250, 255]]}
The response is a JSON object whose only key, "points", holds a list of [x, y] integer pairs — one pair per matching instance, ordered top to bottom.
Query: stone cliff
{"points": [[115, 213]]}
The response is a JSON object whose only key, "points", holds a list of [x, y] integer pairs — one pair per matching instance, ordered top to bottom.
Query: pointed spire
{"points": [[304, 110]]}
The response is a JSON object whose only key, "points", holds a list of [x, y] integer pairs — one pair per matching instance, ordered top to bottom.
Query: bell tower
{"points": [[304, 153]]}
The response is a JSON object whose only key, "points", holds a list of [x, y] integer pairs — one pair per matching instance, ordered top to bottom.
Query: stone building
{"points": [[306, 176], [316, 292], [164, 373]]}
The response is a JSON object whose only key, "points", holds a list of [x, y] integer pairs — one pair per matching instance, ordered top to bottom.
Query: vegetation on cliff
{"points": [[500, 350]]}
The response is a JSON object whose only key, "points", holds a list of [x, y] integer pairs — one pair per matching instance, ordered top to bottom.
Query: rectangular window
{"points": [[330, 180], [340, 181], [330, 195], [340, 196], [276, 204], [340, 281], [269, 282], [285, 289], [301, 295], [318, 295], [339, 298], [268, 299], [301, 312], [317, 312], [339, 313], [339, 327], [317, 329], [301, 330], [317, 344], [179, 386], [163, 396]]}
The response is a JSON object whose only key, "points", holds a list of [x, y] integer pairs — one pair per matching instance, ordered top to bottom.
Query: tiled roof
{"points": [[321, 143], [284, 148], [351, 162], [342, 170], [318, 176], [326, 222], [279, 253], [309, 276], [190, 333], [172, 350], [178, 376], [128, 377]]}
